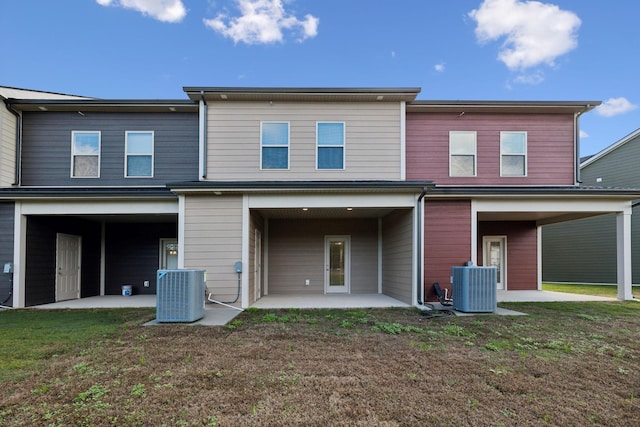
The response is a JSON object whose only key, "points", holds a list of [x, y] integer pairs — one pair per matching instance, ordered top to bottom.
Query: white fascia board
{"points": [[260, 201], [582, 205], [99, 208]]}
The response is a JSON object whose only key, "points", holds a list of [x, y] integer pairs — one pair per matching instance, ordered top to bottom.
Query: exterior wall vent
{"points": [[474, 288], [180, 295]]}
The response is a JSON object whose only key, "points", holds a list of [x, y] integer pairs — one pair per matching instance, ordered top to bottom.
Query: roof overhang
{"points": [[301, 94], [101, 105], [528, 107], [300, 186], [84, 193]]}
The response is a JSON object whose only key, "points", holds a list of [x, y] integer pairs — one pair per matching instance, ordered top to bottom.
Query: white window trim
{"points": [[275, 146], [343, 146], [126, 151], [475, 153], [525, 154], [73, 155]]}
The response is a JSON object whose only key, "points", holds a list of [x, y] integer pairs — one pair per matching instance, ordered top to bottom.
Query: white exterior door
{"points": [[337, 254], [494, 254], [67, 267]]}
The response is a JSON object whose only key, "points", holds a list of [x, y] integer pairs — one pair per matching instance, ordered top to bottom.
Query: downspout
{"points": [[576, 126], [203, 136], [18, 172], [420, 245]]}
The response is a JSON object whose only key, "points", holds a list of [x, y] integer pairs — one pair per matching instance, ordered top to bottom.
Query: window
{"points": [[274, 140], [330, 140], [462, 153], [513, 153], [85, 154], [139, 155]]}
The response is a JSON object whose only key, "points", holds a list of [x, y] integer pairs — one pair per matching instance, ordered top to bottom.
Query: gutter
{"points": [[203, 135], [576, 144], [18, 172], [420, 246]]}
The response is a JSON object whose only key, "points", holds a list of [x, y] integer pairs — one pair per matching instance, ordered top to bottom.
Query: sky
{"points": [[556, 50]]}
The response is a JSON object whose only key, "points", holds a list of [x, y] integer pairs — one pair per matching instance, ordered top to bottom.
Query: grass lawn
{"points": [[577, 288], [562, 364]]}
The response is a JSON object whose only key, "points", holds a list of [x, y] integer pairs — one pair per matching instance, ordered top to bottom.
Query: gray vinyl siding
{"points": [[372, 140], [7, 147], [46, 151], [256, 224], [213, 241], [6, 247], [585, 250], [397, 251], [296, 254], [132, 255], [41, 256]]}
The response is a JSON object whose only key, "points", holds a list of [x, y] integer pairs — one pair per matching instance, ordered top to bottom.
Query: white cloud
{"points": [[162, 10], [262, 22], [535, 33], [439, 67], [530, 79], [615, 106], [583, 134]]}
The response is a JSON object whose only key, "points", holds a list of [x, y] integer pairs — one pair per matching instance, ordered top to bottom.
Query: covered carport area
{"points": [[88, 242]]}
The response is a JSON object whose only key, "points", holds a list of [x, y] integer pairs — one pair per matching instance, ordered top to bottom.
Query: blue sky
{"points": [[576, 50]]}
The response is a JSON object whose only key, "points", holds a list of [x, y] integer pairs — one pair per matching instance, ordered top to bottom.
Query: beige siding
{"points": [[372, 140], [7, 147], [213, 241], [296, 254], [397, 264]]}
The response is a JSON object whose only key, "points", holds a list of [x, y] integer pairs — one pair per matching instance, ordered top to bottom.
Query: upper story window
{"points": [[330, 142], [274, 143], [462, 153], [513, 153], [85, 154], [139, 154]]}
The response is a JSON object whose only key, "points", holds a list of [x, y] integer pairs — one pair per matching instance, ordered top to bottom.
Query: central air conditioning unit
{"points": [[474, 288], [180, 295]]}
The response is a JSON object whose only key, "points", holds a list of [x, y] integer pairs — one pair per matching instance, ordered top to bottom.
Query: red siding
{"points": [[550, 147], [447, 231], [522, 251]]}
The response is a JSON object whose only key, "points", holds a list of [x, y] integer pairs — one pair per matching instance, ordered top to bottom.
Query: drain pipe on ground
{"points": [[238, 267]]}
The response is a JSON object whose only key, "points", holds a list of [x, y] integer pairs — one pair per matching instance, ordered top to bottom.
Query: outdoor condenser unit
{"points": [[474, 288], [180, 295]]}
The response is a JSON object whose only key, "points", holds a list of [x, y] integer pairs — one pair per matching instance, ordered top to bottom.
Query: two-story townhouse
{"points": [[9, 129], [501, 171], [304, 191], [89, 210], [585, 251]]}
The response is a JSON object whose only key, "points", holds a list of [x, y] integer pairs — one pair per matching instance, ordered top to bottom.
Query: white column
{"points": [[623, 239], [245, 251], [539, 255], [19, 256]]}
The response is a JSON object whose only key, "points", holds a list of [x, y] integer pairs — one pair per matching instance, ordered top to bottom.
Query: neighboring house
{"points": [[502, 170], [298, 191], [89, 208], [585, 251]]}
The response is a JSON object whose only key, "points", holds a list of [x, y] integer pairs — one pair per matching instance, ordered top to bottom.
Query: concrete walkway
{"points": [[217, 315]]}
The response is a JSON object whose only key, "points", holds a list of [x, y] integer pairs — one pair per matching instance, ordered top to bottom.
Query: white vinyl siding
{"points": [[373, 132], [7, 148], [462, 153], [85, 154], [513, 154], [138, 161]]}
